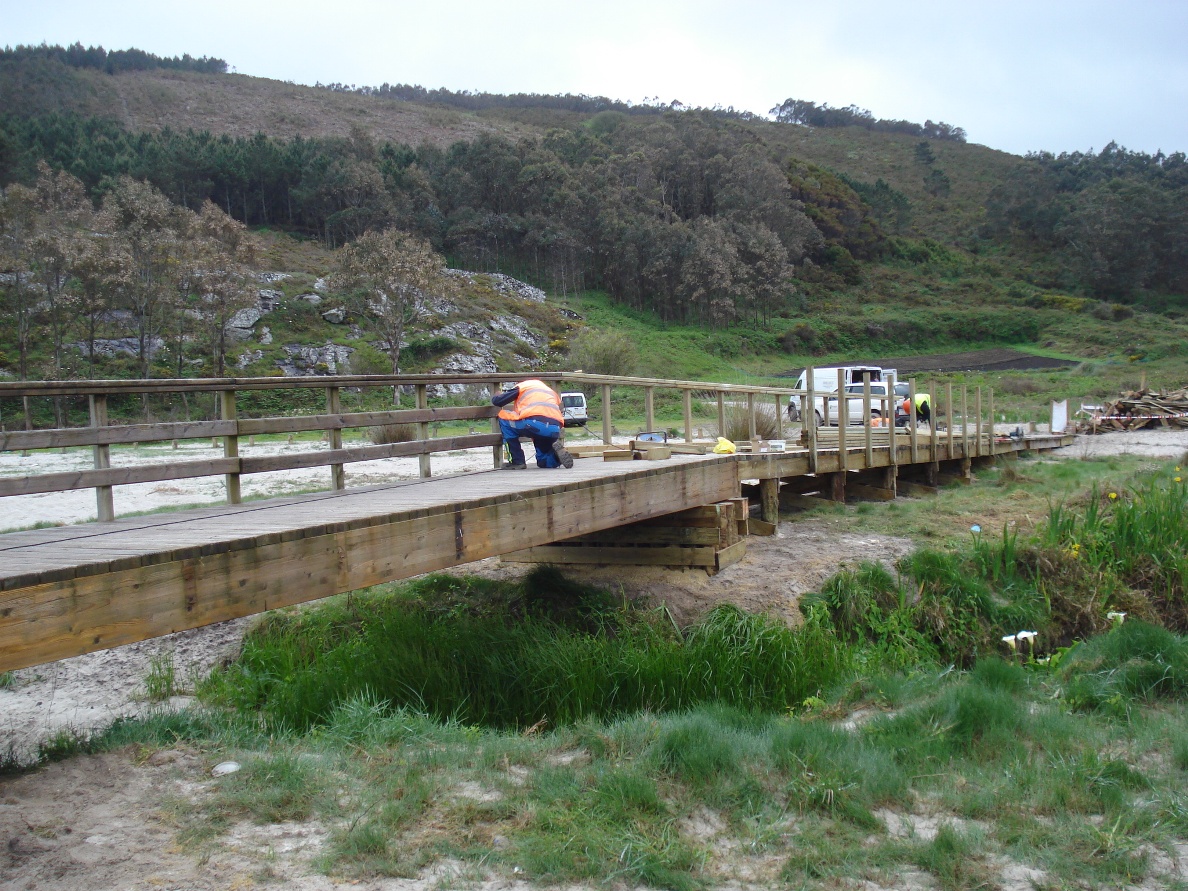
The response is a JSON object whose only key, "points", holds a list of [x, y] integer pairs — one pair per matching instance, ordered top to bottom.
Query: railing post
{"points": [[688, 406], [334, 407], [650, 408], [990, 411], [721, 413], [751, 415], [949, 415], [810, 417], [866, 417], [889, 417], [779, 418], [843, 419], [912, 420], [978, 421], [964, 425], [607, 427], [423, 430], [933, 436], [230, 444], [497, 449], [104, 502]]}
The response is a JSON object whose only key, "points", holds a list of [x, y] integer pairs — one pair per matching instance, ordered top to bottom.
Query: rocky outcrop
{"points": [[502, 284], [269, 299], [335, 316], [240, 326], [120, 346], [302, 360]]}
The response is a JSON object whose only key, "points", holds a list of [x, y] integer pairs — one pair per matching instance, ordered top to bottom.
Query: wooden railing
{"points": [[101, 434]]}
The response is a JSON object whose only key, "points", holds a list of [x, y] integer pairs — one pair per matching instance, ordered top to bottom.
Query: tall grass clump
{"points": [[521, 658]]}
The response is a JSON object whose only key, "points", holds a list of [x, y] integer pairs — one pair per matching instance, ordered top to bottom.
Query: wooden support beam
{"points": [[906, 487], [870, 493], [762, 527]]}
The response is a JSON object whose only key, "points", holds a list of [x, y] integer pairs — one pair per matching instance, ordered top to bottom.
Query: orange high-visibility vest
{"points": [[535, 400]]}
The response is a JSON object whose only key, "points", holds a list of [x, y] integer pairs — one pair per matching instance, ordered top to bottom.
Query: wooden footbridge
{"points": [[70, 590]]}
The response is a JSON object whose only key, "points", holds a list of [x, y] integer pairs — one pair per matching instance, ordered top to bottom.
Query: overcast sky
{"points": [[1018, 75]]}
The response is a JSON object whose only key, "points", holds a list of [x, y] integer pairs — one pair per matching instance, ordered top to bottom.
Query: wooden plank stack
{"points": [[1141, 408], [712, 536]]}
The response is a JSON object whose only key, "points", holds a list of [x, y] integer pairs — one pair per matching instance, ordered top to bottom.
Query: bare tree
{"points": [[388, 275]]}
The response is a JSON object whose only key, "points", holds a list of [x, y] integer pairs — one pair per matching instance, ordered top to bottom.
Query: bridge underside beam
{"points": [[68, 617]]}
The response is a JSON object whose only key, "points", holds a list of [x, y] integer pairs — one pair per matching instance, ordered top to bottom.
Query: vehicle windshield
{"points": [[573, 401]]}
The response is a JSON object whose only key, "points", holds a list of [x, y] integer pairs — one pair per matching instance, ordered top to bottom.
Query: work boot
{"points": [[563, 455], [515, 467]]}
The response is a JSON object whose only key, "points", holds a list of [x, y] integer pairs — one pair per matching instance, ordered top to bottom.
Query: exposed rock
{"points": [[271, 277], [503, 284], [321, 285], [269, 299], [312, 299], [335, 316], [245, 318], [239, 328], [517, 328], [265, 335], [248, 357], [307, 360], [461, 363]]}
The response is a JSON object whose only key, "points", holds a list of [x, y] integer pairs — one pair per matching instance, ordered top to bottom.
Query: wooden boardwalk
{"points": [[70, 590]]}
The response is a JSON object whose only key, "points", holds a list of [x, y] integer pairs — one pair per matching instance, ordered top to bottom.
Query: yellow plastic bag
{"points": [[724, 446]]}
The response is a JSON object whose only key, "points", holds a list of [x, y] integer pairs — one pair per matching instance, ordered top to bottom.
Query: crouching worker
{"points": [[532, 409]]}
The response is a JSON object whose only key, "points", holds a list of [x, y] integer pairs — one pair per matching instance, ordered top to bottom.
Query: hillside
{"points": [[748, 246]]}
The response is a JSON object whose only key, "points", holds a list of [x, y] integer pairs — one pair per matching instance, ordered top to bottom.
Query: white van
{"points": [[825, 382], [573, 409]]}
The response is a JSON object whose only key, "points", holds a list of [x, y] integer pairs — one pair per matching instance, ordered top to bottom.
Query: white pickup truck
{"points": [[825, 384]]}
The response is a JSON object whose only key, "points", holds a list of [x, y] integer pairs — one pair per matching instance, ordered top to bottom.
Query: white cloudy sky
{"points": [[1018, 75]]}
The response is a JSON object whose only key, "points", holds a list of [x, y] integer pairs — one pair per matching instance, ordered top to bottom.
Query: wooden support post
{"points": [[687, 399], [334, 407], [650, 408], [721, 413], [751, 415], [866, 417], [810, 418], [912, 420], [843, 421], [607, 427], [423, 431], [230, 445], [497, 449], [837, 487], [769, 500], [104, 502]]}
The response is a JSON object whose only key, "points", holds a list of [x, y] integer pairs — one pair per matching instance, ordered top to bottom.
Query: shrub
{"points": [[604, 352], [388, 434]]}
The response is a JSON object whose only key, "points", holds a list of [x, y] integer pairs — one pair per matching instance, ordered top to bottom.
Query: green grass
{"points": [[408, 722]]}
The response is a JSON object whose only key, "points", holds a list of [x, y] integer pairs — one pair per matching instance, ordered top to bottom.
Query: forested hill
{"points": [[713, 217]]}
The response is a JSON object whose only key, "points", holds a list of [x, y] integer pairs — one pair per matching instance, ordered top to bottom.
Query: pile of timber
{"points": [[1141, 408], [827, 437], [641, 450], [712, 537]]}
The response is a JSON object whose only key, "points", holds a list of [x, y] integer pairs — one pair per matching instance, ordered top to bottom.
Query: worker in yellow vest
{"points": [[533, 409], [923, 409]]}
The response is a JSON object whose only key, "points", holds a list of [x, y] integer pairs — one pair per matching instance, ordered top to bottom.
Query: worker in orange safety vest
{"points": [[533, 409]]}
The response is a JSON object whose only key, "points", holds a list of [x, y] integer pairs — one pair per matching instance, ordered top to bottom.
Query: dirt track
{"points": [[974, 360]]}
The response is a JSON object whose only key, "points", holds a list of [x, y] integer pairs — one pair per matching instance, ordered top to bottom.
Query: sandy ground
{"points": [[97, 822]]}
